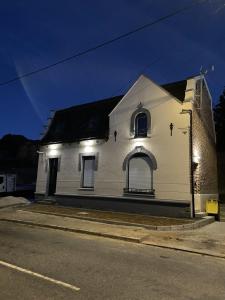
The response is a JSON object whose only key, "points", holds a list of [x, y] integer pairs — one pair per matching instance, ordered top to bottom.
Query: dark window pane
{"points": [[141, 125]]}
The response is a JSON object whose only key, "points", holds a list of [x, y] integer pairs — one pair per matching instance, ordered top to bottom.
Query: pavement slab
{"points": [[12, 201], [131, 233], [208, 240]]}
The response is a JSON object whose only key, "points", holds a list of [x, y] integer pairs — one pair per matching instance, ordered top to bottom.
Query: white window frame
{"points": [[84, 159]]}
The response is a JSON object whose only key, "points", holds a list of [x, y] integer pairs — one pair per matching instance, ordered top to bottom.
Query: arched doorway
{"points": [[139, 166]]}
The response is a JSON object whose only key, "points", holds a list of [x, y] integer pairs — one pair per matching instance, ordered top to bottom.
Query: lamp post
{"points": [[189, 111]]}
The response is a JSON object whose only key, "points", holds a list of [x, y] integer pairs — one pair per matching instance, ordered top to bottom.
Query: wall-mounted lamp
{"points": [[139, 148], [196, 159]]}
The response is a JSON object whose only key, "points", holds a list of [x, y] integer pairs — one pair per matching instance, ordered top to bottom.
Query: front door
{"points": [[53, 169], [139, 177]]}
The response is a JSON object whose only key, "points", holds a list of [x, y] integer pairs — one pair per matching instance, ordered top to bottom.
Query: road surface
{"points": [[100, 268]]}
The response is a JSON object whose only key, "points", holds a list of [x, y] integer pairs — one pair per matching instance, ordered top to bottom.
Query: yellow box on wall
{"points": [[212, 206]]}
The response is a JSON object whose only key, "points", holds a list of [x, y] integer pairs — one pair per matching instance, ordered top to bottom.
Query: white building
{"points": [[134, 152]]}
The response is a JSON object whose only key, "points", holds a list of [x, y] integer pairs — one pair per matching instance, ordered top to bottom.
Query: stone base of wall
{"points": [[200, 201], [156, 207]]}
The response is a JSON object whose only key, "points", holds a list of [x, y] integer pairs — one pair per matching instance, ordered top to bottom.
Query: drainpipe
{"points": [[189, 111]]}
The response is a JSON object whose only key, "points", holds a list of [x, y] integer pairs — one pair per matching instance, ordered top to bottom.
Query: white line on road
{"points": [[58, 282]]}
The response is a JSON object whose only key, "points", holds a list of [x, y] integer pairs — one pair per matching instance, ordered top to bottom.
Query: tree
{"points": [[219, 116]]}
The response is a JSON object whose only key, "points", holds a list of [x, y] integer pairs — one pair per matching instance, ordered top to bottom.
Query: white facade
{"points": [[169, 176]]}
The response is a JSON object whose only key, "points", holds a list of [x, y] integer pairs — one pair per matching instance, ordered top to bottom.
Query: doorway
{"points": [[53, 169]]}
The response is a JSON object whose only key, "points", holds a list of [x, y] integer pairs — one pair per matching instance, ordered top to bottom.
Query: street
{"points": [[101, 268]]}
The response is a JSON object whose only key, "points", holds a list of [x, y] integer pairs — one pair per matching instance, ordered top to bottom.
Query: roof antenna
{"points": [[206, 71], [203, 72]]}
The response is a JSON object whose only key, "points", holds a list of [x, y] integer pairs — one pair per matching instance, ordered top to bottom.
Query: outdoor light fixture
{"points": [[139, 148], [196, 159]]}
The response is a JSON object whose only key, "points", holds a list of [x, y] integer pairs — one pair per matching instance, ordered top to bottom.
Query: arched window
{"points": [[140, 122], [141, 125]]}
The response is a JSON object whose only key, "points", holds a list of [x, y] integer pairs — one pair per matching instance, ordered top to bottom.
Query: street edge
{"points": [[197, 224], [82, 231], [127, 239]]}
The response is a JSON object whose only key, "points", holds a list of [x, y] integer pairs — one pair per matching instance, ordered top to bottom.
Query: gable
{"points": [[150, 94], [91, 120]]}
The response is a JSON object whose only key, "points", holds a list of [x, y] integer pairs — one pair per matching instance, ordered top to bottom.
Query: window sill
{"points": [[140, 137], [86, 189]]}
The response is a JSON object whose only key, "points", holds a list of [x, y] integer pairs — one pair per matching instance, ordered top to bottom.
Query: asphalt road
{"points": [[102, 268]]}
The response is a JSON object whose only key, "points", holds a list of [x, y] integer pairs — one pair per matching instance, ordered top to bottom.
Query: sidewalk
{"points": [[8, 201], [129, 233], [208, 240]]}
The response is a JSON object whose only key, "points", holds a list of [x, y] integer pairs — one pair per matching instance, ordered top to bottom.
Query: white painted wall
{"points": [[170, 180]]}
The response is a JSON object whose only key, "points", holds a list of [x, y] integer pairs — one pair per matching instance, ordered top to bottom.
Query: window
{"points": [[140, 122], [141, 125], [88, 171]]}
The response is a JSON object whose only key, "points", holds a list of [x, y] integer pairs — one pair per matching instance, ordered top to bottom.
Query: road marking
{"points": [[58, 282]]}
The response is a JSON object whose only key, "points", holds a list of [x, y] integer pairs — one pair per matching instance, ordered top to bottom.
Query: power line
{"points": [[103, 44]]}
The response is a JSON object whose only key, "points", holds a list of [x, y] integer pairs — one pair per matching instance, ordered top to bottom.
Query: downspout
{"points": [[189, 111], [191, 166]]}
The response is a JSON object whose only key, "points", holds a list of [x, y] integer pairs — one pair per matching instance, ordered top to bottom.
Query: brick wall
{"points": [[204, 148]]}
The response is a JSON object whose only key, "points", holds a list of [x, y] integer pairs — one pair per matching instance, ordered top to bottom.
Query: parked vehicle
{"points": [[7, 183]]}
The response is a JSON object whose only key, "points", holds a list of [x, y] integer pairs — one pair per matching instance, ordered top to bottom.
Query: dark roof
{"points": [[176, 89], [91, 120], [81, 122]]}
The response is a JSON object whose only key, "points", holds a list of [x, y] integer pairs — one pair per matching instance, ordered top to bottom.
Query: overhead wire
{"points": [[101, 45]]}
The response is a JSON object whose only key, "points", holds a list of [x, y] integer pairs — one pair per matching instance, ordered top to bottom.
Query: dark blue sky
{"points": [[36, 33]]}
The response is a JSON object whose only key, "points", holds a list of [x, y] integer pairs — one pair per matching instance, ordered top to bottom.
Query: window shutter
{"points": [[88, 172]]}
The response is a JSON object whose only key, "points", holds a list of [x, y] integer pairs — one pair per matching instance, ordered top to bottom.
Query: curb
{"points": [[14, 205], [200, 223], [82, 231], [127, 239], [188, 250]]}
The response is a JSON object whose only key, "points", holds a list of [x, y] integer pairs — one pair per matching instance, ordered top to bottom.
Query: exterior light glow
{"points": [[138, 142], [88, 143], [54, 146], [88, 149], [53, 152], [196, 156], [196, 159]]}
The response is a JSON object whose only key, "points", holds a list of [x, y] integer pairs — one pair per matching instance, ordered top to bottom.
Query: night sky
{"points": [[36, 33]]}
